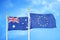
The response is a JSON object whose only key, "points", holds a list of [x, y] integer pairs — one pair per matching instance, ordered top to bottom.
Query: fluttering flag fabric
{"points": [[36, 21], [42, 21], [17, 23]]}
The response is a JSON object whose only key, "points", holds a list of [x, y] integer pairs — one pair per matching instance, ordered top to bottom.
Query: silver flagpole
{"points": [[28, 23], [6, 26]]}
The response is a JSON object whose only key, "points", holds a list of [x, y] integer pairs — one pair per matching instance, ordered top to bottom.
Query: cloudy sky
{"points": [[20, 8]]}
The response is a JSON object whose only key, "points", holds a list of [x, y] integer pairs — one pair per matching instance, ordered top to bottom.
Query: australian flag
{"points": [[42, 21], [17, 23]]}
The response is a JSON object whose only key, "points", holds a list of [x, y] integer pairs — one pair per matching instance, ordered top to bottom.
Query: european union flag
{"points": [[42, 21], [17, 23]]}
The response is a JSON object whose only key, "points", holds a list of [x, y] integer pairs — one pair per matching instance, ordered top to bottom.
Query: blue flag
{"points": [[42, 21], [17, 23]]}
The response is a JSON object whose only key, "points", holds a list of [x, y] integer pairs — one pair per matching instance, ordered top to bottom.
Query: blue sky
{"points": [[20, 8]]}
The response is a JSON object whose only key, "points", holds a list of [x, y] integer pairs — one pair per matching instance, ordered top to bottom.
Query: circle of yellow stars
{"points": [[45, 18]]}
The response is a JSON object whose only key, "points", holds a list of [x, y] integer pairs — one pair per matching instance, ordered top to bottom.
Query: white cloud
{"points": [[58, 0], [36, 2], [44, 2], [41, 6], [47, 6], [56, 14]]}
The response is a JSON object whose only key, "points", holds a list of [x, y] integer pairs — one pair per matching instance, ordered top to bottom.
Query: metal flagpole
{"points": [[28, 23], [6, 26]]}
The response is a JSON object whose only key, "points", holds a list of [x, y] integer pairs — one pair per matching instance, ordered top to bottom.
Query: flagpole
{"points": [[28, 23], [6, 26]]}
